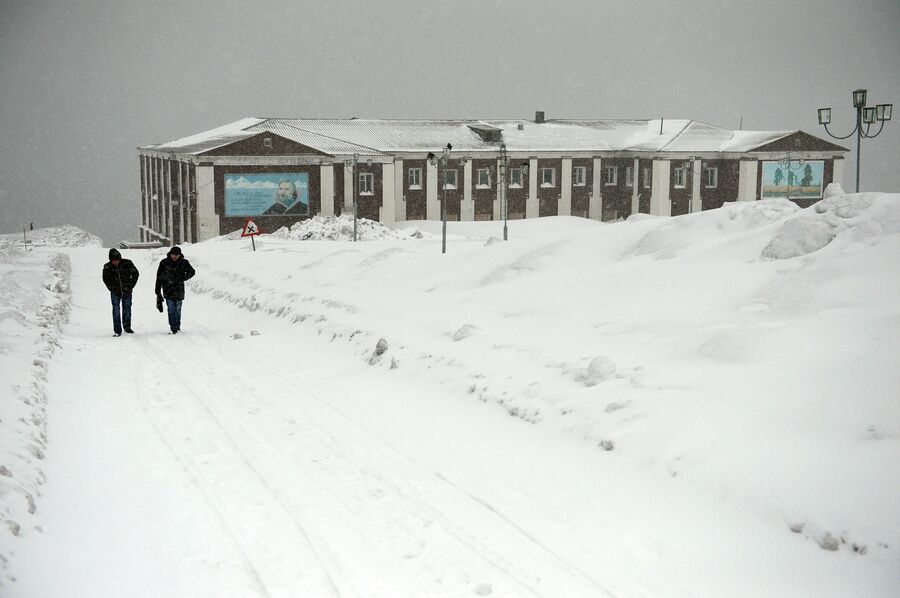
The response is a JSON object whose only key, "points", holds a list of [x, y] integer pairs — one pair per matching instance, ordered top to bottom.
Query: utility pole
{"points": [[504, 171], [355, 191]]}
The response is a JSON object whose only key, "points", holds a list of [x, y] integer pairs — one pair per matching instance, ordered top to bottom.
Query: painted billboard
{"points": [[797, 179], [267, 194]]}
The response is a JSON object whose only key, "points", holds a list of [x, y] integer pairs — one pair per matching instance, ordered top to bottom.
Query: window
{"points": [[267, 142], [579, 174], [612, 175], [629, 176], [648, 176], [680, 176], [483, 177], [515, 177], [548, 177], [712, 177], [415, 178], [449, 179], [366, 183]]}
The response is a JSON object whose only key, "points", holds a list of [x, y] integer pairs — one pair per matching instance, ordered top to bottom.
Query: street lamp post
{"points": [[864, 115], [443, 161], [352, 164], [788, 165], [504, 199]]}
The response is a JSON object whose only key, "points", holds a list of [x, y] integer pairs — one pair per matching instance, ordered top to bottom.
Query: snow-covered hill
{"points": [[695, 406]]}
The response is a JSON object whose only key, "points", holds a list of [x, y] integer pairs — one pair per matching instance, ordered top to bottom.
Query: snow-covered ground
{"points": [[699, 406]]}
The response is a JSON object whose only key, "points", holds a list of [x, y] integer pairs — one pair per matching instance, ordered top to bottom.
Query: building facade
{"points": [[280, 171]]}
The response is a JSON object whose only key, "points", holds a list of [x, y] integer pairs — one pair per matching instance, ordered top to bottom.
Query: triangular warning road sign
{"points": [[250, 228]]}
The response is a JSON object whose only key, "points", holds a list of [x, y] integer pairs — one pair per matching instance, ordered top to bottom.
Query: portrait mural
{"points": [[794, 179], [267, 194]]}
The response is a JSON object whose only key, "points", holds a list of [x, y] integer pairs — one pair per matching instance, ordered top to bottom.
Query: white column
{"points": [[837, 175], [747, 180], [696, 181], [635, 186], [326, 190], [348, 190], [181, 199], [399, 200], [660, 202], [189, 205], [432, 206], [467, 207], [532, 207], [564, 208], [595, 208], [386, 211], [145, 213], [152, 213], [170, 217], [207, 219]]}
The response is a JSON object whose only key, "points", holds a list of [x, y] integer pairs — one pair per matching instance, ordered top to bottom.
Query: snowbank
{"points": [[856, 217], [340, 228], [57, 236], [34, 304]]}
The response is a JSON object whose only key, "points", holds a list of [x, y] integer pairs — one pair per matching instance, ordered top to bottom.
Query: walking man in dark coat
{"points": [[120, 276], [170, 276]]}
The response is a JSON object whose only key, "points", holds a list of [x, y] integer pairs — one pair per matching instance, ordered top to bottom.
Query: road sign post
{"points": [[251, 229]]}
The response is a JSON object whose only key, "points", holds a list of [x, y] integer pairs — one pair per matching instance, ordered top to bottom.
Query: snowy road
{"points": [[249, 478]]}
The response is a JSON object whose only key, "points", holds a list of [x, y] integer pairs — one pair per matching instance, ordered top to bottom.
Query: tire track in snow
{"points": [[140, 386], [215, 463], [439, 489], [354, 523]]}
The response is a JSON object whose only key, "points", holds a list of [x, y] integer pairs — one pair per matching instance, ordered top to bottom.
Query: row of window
{"points": [[547, 178]]}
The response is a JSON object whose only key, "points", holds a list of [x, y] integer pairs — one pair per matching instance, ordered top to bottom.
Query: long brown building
{"points": [[282, 170]]}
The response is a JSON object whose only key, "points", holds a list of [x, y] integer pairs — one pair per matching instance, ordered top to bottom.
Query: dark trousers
{"points": [[174, 309], [121, 312]]}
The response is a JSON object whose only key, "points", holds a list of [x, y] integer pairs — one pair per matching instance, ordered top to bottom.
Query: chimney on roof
{"points": [[539, 116], [521, 127]]}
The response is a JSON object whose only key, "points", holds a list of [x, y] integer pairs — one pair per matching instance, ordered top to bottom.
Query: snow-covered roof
{"points": [[381, 136]]}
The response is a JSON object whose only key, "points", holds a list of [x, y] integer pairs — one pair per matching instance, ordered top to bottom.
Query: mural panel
{"points": [[797, 179], [268, 194]]}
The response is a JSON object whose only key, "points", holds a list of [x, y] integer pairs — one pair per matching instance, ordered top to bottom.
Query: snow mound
{"points": [[833, 189], [755, 214], [855, 217], [340, 228], [676, 234], [57, 236]]}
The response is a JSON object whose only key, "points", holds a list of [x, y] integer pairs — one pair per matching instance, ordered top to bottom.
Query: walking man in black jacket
{"points": [[120, 276], [170, 276]]}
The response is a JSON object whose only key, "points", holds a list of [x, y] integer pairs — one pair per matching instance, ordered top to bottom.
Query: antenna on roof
{"points": [[660, 125], [741, 126]]}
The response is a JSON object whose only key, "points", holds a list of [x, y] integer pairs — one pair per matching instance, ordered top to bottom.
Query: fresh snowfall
{"points": [[705, 406]]}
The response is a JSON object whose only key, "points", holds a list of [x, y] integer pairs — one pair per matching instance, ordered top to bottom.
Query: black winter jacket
{"points": [[170, 277], [120, 279]]}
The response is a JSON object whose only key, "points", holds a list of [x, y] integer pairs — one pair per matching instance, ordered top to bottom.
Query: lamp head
{"points": [[859, 98], [883, 111], [869, 115], [824, 116]]}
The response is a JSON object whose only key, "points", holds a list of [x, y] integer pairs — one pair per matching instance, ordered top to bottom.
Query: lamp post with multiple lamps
{"points": [[864, 115], [443, 161]]}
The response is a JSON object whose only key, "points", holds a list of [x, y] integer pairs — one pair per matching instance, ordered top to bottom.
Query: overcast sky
{"points": [[83, 83]]}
